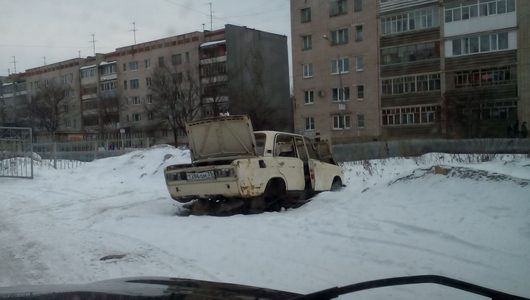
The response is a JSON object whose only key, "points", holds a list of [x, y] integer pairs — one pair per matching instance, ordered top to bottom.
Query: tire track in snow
{"points": [[407, 246]]}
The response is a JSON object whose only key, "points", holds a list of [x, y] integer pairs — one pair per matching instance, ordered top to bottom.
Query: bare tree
{"points": [[214, 93], [176, 98], [46, 106], [2, 112], [108, 113], [462, 115]]}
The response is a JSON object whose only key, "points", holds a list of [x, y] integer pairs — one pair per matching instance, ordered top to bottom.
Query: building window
{"points": [[357, 5], [337, 7], [479, 9], [305, 15], [418, 19], [359, 36], [339, 37], [307, 42], [480, 44], [410, 53], [187, 57], [176, 59], [161, 62], [147, 63], [359, 63], [133, 65], [342, 65], [124, 67], [307, 70], [484, 77], [148, 81], [135, 83], [125, 84], [410, 84], [109, 86], [360, 92], [340, 94], [309, 97], [149, 99], [134, 100], [409, 115], [150, 116], [136, 117], [360, 120], [341, 122], [310, 123]]}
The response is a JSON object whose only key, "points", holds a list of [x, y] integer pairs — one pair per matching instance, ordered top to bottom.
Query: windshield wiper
{"points": [[406, 280]]}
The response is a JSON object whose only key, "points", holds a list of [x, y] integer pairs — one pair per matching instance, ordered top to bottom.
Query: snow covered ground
{"points": [[396, 217]]}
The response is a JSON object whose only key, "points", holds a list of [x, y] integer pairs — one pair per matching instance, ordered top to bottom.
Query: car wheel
{"points": [[336, 185], [275, 195]]}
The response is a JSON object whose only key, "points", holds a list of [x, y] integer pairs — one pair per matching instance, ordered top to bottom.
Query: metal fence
{"points": [[417, 147], [16, 152], [65, 155]]}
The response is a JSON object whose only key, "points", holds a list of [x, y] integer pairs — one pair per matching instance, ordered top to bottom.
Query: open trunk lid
{"points": [[221, 138]]}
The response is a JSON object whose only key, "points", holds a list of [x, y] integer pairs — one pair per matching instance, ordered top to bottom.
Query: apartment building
{"points": [[486, 46], [134, 66], [411, 68], [444, 68], [243, 70], [246, 71], [335, 73], [66, 75], [13, 101]]}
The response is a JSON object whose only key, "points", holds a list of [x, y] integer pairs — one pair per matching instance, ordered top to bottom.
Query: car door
{"points": [[289, 165], [321, 173]]}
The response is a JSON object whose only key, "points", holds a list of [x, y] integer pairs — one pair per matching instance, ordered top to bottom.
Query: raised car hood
{"points": [[221, 137]]}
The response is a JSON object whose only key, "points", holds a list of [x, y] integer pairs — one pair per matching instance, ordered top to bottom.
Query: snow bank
{"points": [[396, 217]]}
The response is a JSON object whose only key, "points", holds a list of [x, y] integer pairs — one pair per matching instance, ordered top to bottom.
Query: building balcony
{"points": [[392, 5], [212, 60], [108, 77], [214, 79], [89, 96]]}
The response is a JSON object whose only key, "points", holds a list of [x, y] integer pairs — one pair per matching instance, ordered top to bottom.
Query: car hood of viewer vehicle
{"points": [[221, 137]]}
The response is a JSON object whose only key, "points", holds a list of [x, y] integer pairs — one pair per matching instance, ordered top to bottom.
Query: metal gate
{"points": [[16, 152]]}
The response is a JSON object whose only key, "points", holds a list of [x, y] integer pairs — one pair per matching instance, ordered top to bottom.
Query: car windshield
{"points": [[294, 145]]}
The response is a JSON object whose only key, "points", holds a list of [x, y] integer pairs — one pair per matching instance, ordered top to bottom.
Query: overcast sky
{"points": [[57, 29]]}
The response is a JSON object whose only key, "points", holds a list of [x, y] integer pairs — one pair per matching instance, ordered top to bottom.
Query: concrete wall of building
{"points": [[320, 54], [523, 61], [136, 63], [65, 74], [258, 77]]}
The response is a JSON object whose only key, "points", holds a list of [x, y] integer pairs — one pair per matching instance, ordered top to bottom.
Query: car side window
{"points": [[284, 146]]}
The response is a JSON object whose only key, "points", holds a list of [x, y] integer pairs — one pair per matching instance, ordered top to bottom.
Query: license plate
{"points": [[200, 175]]}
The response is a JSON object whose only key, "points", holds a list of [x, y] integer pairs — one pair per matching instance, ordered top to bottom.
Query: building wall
{"points": [[523, 60], [135, 65], [411, 68], [481, 68], [65, 74], [258, 77], [318, 112]]}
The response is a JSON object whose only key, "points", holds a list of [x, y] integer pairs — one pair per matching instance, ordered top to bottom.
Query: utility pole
{"points": [[211, 16], [134, 31], [93, 41], [79, 53], [44, 59], [14, 62]]}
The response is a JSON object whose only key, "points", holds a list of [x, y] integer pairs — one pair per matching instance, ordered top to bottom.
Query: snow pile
{"points": [[467, 218]]}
